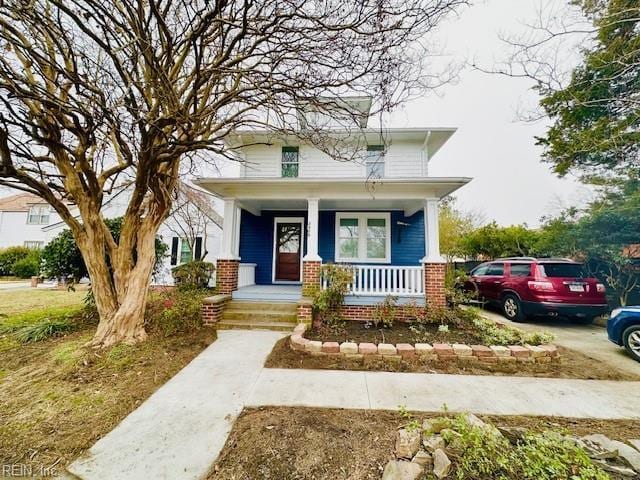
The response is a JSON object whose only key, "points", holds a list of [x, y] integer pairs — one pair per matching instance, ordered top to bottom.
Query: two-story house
{"points": [[294, 207]]}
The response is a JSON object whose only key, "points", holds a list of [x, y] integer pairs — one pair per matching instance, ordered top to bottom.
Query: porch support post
{"points": [[228, 260], [311, 262], [433, 262]]}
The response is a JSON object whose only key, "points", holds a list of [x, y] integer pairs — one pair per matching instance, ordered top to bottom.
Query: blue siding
{"points": [[256, 239]]}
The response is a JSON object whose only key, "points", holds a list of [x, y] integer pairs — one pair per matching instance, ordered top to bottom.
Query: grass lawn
{"points": [[57, 397]]}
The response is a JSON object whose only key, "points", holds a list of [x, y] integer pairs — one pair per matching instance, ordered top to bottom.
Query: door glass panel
{"points": [[288, 238]]}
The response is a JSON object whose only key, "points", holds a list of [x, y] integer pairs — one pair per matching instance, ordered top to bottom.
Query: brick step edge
{"points": [[437, 351]]}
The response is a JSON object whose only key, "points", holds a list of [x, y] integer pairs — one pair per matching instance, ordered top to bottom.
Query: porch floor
{"points": [[275, 293]]}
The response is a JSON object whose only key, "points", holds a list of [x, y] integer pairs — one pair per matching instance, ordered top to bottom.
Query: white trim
{"points": [[277, 220], [312, 230], [362, 237]]}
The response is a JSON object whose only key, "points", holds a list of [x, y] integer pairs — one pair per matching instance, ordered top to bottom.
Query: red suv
{"points": [[525, 286]]}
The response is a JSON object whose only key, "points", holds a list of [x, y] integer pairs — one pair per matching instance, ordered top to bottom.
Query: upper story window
{"points": [[290, 161], [375, 161], [38, 215], [363, 237], [33, 244]]}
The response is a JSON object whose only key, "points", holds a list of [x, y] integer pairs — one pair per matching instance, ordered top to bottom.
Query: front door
{"points": [[288, 251]]}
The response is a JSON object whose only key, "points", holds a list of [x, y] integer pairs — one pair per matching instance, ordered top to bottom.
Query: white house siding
{"points": [[403, 159], [15, 231]]}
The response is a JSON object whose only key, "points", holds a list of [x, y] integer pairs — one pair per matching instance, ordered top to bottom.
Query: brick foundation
{"points": [[227, 276], [310, 277], [434, 284], [212, 308], [403, 313]]}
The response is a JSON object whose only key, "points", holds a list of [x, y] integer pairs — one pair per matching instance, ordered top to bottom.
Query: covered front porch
{"points": [[278, 232]]}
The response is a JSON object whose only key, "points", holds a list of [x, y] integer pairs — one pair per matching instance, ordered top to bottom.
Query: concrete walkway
{"points": [[180, 430]]}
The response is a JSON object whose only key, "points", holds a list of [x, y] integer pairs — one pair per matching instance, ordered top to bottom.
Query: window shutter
{"points": [[174, 251], [198, 254]]}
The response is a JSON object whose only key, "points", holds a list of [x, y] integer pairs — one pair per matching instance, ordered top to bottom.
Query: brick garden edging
{"points": [[424, 351]]}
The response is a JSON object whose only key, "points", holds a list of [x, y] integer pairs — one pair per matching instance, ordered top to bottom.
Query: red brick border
{"points": [[212, 308], [425, 351]]}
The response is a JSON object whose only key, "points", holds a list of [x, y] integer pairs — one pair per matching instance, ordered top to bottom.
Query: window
{"points": [[290, 161], [375, 161], [38, 215], [363, 237], [33, 244], [186, 255], [496, 269], [520, 269], [481, 270], [555, 270]]}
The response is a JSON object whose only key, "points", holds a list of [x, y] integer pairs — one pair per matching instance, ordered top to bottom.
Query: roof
{"points": [[20, 202]]}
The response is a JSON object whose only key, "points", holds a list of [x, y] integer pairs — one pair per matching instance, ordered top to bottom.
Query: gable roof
{"points": [[20, 202]]}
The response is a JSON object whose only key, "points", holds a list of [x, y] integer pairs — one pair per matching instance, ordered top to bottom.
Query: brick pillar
{"points": [[227, 276], [310, 277], [434, 284], [212, 308], [304, 311]]}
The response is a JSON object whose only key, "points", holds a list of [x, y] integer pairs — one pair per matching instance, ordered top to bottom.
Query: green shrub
{"points": [[9, 256], [28, 266], [196, 274], [455, 293], [327, 302], [175, 311], [384, 313], [49, 327], [496, 334]]}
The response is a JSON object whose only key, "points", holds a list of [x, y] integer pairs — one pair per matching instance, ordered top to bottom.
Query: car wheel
{"points": [[512, 309], [631, 341]]}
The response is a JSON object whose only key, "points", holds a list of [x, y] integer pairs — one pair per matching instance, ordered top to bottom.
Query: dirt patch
{"points": [[399, 333], [572, 365], [57, 398], [286, 443]]}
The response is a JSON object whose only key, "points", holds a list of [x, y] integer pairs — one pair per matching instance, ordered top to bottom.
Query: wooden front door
{"points": [[288, 251]]}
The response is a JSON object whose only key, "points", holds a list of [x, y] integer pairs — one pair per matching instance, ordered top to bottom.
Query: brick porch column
{"points": [[311, 263], [433, 263], [227, 275], [310, 277]]}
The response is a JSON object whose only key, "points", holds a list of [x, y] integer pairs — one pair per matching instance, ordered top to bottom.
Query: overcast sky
{"points": [[510, 183]]}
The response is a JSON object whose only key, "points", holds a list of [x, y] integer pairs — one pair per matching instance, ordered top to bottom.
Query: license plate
{"points": [[576, 288]]}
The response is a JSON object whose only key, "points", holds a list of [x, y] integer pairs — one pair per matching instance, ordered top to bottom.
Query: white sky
{"points": [[510, 184]]}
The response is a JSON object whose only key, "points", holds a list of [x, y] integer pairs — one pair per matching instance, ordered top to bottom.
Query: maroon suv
{"points": [[524, 286]]}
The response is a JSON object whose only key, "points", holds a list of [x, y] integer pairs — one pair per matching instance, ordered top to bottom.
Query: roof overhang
{"points": [[257, 194]]}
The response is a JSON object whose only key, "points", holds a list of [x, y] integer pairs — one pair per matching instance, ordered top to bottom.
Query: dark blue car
{"points": [[623, 328]]}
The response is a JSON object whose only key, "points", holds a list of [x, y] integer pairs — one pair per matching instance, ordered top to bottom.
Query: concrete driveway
{"points": [[591, 340]]}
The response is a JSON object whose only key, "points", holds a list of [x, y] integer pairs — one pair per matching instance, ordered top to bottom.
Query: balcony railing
{"points": [[246, 274], [382, 280]]}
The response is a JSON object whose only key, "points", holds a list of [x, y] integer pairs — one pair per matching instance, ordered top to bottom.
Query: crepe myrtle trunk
{"points": [[119, 282]]}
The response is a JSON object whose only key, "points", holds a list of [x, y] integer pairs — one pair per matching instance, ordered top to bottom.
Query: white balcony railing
{"points": [[246, 274], [385, 280]]}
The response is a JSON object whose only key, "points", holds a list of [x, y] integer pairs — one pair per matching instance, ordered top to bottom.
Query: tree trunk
{"points": [[120, 290]]}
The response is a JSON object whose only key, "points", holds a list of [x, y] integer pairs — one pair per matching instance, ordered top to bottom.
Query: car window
{"points": [[496, 269], [520, 269], [481, 270], [570, 270]]}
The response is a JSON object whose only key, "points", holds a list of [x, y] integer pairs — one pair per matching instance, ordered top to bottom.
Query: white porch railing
{"points": [[246, 274], [385, 280]]}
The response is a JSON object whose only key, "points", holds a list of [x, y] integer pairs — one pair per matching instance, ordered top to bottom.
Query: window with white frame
{"points": [[290, 161], [375, 161], [38, 215], [363, 237], [33, 244]]}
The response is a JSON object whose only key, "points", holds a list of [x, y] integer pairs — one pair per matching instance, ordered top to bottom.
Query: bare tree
{"points": [[98, 95]]}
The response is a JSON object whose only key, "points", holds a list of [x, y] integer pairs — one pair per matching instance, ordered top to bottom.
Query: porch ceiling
{"points": [[256, 194]]}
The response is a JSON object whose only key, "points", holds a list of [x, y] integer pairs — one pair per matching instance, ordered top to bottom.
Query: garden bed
{"points": [[334, 444]]}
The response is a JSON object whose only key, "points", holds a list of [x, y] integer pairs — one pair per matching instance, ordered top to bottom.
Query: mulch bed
{"points": [[400, 333], [572, 364], [287, 443]]}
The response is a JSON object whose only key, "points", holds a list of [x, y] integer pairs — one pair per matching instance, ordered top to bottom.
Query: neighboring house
{"points": [[294, 207], [192, 231]]}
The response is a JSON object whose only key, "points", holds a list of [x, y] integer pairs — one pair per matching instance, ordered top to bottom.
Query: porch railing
{"points": [[246, 274], [385, 280]]}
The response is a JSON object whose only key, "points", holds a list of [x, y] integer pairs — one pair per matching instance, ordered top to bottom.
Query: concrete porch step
{"points": [[285, 307], [260, 315], [249, 325]]}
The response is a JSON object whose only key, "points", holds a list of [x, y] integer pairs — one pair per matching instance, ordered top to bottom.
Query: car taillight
{"points": [[538, 286], [600, 288]]}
